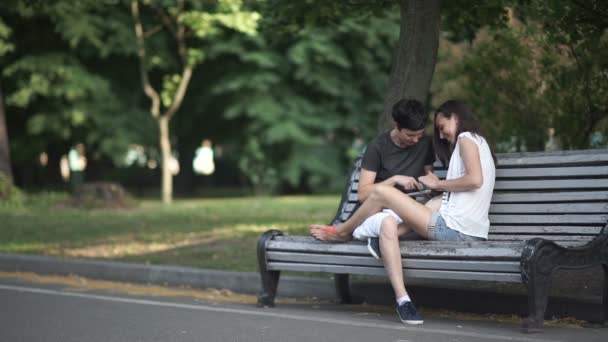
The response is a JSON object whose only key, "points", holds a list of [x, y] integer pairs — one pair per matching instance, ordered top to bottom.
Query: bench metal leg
{"points": [[540, 258], [537, 265], [270, 279], [341, 281], [538, 288], [605, 295]]}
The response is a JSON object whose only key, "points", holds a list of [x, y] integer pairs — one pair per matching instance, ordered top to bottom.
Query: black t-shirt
{"points": [[387, 159]]}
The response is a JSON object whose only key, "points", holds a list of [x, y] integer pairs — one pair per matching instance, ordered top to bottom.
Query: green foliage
{"points": [[289, 17], [463, 19], [206, 24], [99, 27], [5, 33], [577, 67], [545, 68], [53, 75], [59, 85], [170, 85], [288, 86], [505, 87], [305, 97], [64, 101], [263, 177], [10, 195]]}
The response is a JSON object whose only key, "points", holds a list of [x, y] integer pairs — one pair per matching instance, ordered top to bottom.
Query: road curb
{"points": [[243, 282]]}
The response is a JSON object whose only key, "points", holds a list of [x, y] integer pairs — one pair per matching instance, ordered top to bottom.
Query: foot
{"points": [[326, 233], [373, 246], [408, 315]]}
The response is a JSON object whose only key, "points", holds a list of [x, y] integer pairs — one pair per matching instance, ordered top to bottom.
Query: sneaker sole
{"points": [[372, 252], [412, 322]]}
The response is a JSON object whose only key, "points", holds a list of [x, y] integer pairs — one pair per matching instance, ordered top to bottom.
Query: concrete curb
{"points": [[244, 282]]}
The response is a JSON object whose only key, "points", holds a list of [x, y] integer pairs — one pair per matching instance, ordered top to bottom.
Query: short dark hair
{"points": [[410, 114]]}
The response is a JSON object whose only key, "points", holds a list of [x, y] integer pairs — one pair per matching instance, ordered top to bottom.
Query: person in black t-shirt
{"points": [[394, 158]]}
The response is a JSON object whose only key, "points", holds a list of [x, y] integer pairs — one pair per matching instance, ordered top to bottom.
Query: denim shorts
{"points": [[439, 231]]}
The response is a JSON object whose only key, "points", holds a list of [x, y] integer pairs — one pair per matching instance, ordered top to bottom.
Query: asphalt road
{"points": [[41, 312]]}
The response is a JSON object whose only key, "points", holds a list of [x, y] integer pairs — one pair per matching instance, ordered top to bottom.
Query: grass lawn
{"points": [[207, 233]]}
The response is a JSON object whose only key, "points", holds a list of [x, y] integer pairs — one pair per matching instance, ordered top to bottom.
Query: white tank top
{"points": [[467, 211]]}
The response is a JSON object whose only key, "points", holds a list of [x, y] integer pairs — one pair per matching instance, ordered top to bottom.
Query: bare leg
{"points": [[434, 203], [417, 216], [344, 231], [391, 255]]}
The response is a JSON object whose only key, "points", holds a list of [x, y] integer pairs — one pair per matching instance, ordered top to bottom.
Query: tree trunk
{"points": [[415, 56], [165, 150], [5, 157]]}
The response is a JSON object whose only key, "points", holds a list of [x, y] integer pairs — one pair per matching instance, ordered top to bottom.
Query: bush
{"points": [[10, 195]]}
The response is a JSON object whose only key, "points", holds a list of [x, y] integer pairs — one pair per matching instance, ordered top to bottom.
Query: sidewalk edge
{"points": [[166, 275]]}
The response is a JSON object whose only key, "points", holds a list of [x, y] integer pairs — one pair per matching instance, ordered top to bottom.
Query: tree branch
{"points": [[165, 19], [177, 29], [152, 31], [180, 36], [141, 54], [579, 66], [181, 91]]}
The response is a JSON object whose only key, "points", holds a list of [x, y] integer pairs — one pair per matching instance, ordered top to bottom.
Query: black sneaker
{"points": [[373, 246], [407, 314]]}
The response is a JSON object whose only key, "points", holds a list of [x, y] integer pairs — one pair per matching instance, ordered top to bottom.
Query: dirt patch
{"points": [[100, 195], [76, 283]]}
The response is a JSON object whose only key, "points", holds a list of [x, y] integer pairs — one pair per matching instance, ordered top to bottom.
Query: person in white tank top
{"points": [[460, 214]]}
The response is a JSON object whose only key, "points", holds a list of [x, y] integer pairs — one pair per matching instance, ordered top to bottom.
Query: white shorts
{"points": [[371, 226]]}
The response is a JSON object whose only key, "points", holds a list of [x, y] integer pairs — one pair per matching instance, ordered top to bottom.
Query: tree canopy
{"points": [[288, 90]]}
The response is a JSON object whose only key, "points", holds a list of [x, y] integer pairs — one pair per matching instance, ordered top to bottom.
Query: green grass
{"points": [[207, 233]]}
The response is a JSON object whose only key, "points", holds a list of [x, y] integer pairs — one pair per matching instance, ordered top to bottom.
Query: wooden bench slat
{"points": [[562, 158], [546, 172], [557, 184], [532, 197], [545, 197], [558, 208], [568, 219], [545, 230], [556, 238], [448, 249], [488, 250], [339, 259], [408, 273]]}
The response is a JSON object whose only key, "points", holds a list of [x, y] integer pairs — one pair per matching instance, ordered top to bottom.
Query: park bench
{"points": [[548, 211]]}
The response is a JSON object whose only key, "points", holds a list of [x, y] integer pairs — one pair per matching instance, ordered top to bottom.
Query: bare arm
{"points": [[473, 177], [366, 183]]}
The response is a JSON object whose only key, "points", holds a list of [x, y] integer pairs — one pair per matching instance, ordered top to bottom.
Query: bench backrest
{"points": [[562, 196]]}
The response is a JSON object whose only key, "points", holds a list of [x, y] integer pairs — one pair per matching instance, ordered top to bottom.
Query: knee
{"points": [[379, 193], [388, 228]]}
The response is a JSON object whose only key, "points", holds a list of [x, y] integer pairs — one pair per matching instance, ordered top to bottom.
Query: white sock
{"points": [[403, 299]]}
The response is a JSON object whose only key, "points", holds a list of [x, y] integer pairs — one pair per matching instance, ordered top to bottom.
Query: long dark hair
{"points": [[467, 122]]}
